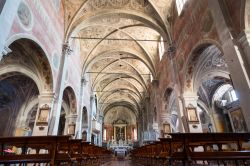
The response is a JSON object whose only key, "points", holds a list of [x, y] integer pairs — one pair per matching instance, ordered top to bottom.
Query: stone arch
{"points": [[28, 53], [194, 58], [26, 69], [69, 98], [19, 99], [65, 111], [27, 115]]}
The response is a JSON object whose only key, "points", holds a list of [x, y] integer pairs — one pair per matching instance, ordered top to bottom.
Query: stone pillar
{"points": [[7, 17], [234, 58], [174, 75], [59, 90], [92, 99], [190, 100], [45, 107], [181, 110], [149, 114], [165, 118], [79, 119], [70, 120], [101, 120], [125, 132], [114, 133]]}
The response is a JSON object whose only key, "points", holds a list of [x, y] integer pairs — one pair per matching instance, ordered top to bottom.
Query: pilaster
{"points": [[45, 107]]}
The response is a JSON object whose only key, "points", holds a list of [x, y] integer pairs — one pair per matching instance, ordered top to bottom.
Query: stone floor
{"points": [[120, 163]]}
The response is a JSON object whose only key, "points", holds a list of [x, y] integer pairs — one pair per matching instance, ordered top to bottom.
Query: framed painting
{"points": [[192, 114], [43, 115], [237, 120], [166, 128], [71, 129]]}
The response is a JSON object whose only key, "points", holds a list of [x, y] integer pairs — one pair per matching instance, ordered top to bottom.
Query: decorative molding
{"points": [[6, 50]]}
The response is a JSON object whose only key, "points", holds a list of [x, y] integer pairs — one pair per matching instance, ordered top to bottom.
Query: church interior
{"points": [[126, 78]]}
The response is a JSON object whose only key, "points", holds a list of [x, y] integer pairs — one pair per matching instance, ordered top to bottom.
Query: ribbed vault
{"points": [[119, 42]]}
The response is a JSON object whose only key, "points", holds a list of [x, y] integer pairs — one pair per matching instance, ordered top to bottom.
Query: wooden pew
{"points": [[37, 149], [195, 149], [52, 150]]}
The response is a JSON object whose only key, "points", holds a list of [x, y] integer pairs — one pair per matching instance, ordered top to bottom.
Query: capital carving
{"points": [[66, 49], [171, 51], [84, 81], [155, 83]]}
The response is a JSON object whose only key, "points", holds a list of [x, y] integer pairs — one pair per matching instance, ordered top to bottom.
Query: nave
{"points": [[120, 75]]}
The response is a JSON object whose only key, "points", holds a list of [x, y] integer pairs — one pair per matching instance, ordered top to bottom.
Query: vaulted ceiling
{"points": [[118, 45]]}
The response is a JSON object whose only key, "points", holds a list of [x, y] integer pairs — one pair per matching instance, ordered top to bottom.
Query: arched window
{"points": [[180, 4], [161, 48], [225, 94], [135, 134], [104, 135]]}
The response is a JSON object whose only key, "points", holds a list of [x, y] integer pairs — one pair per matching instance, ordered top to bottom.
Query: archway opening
{"points": [[17, 91]]}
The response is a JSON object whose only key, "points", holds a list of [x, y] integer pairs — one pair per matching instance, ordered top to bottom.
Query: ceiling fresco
{"points": [[119, 46]]}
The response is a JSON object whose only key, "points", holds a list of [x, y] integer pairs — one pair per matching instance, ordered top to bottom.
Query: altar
{"points": [[120, 130]]}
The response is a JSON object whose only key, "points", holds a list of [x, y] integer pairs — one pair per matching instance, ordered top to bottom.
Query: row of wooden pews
{"points": [[196, 149], [51, 150]]}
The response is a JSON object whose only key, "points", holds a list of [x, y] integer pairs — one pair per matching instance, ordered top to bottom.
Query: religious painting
{"points": [[192, 114], [43, 115], [237, 120], [166, 128], [71, 129], [120, 133]]}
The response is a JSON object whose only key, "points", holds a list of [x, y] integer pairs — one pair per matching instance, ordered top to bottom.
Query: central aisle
{"points": [[120, 163]]}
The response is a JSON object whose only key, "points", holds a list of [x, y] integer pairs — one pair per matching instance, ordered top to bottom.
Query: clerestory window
{"points": [[179, 5]]}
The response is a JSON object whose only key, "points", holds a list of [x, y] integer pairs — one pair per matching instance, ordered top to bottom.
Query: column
{"points": [[7, 17], [233, 56], [177, 85], [190, 101], [44, 111], [90, 118], [101, 119], [79, 120], [70, 125], [53, 128], [114, 133], [125, 133]]}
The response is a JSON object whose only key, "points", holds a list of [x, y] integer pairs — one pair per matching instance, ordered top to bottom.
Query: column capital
{"points": [[66, 49], [171, 50], [84, 81], [155, 82]]}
